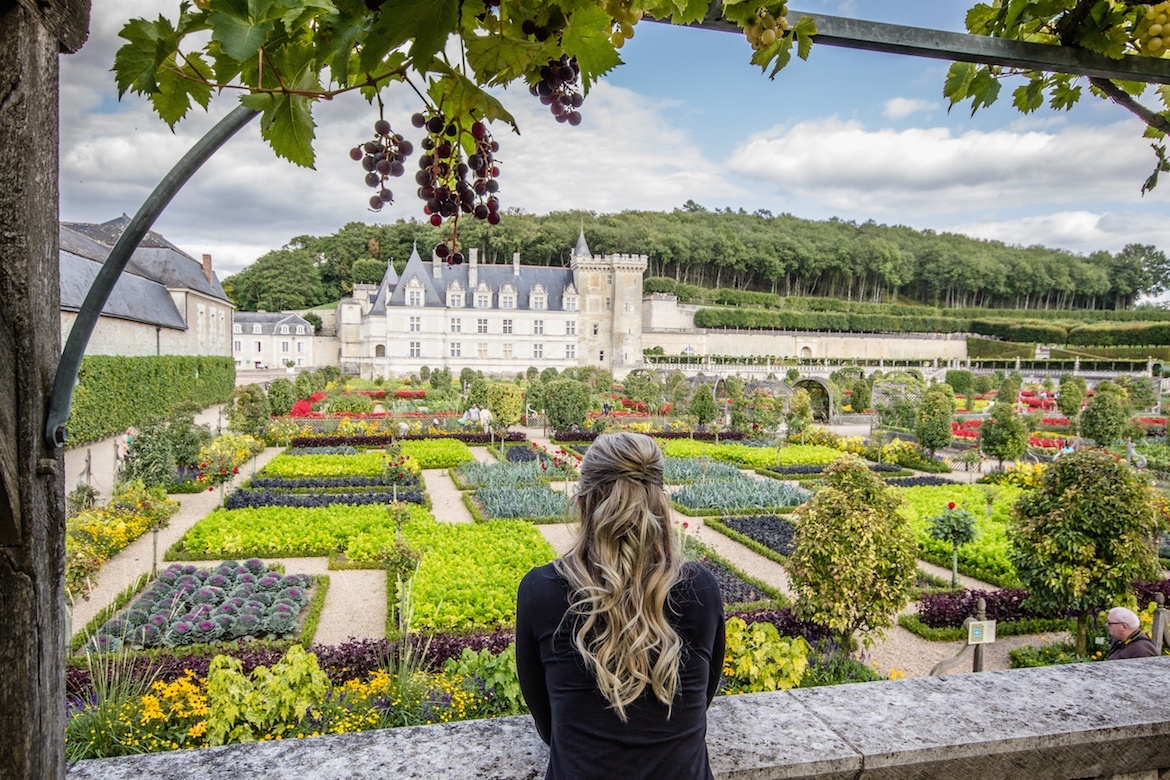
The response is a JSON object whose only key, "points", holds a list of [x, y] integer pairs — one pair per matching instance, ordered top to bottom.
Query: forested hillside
{"points": [[760, 251]]}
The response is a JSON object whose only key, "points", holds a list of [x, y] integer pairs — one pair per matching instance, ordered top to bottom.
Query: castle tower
{"points": [[610, 287]]}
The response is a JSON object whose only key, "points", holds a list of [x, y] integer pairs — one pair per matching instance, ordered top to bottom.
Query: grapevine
{"points": [[624, 18], [767, 28], [1152, 33], [558, 89], [382, 158], [443, 176]]}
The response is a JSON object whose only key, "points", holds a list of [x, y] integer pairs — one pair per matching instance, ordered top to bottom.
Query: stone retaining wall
{"points": [[1099, 720]]}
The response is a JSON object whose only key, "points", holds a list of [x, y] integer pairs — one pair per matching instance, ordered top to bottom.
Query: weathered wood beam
{"points": [[962, 47]]}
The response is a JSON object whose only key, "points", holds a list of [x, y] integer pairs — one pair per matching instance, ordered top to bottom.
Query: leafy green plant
{"points": [[249, 410], [437, 453], [371, 463], [474, 474], [740, 493], [530, 502], [758, 659], [493, 678], [268, 702]]}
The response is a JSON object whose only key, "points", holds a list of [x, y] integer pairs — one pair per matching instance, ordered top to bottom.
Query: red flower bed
{"points": [[410, 394], [377, 395], [1055, 422], [1048, 444]]}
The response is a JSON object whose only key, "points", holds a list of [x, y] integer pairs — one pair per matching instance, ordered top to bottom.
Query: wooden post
{"points": [[32, 495], [980, 614], [1160, 632]]}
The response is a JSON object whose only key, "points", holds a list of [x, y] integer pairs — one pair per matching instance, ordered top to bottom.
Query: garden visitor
{"points": [[605, 408], [473, 414], [485, 419], [403, 429], [124, 442], [1128, 639], [619, 643]]}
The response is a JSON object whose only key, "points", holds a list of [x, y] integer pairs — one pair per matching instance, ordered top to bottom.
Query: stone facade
{"points": [[165, 302], [498, 319], [672, 326], [263, 340]]}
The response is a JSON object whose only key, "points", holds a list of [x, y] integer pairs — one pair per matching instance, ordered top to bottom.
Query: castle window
{"points": [[416, 324], [456, 325], [481, 325], [507, 326], [538, 327], [570, 327], [237, 328], [257, 329], [284, 330], [416, 349], [380, 350], [538, 350], [570, 351]]}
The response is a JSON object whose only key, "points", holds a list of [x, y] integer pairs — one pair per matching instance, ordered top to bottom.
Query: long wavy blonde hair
{"points": [[621, 569]]}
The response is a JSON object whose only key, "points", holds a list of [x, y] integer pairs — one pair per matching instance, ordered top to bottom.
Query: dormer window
{"points": [[414, 293], [455, 296], [508, 297], [538, 299], [570, 300], [237, 328], [257, 328], [284, 330], [300, 330]]}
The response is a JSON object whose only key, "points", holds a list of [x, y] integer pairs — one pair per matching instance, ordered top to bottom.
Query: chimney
{"points": [[515, 264], [436, 266], [207, 269], [472, 269]]}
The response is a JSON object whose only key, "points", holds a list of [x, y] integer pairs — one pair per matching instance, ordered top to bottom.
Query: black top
{"points": [[1137, 645], [586, 738]]}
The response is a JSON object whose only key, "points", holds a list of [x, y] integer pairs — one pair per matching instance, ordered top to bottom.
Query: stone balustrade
{"points": [[1099, 720]]}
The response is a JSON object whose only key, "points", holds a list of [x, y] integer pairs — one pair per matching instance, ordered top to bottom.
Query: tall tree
{"points": [[1104, 418], [932, 424], [1004, 435], [1082, 540]]}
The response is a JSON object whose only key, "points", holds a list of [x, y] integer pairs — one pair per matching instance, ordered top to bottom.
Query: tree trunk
{"points": [[32, 500]]}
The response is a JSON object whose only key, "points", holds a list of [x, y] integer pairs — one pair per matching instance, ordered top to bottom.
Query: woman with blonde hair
{"points": [[619, 644]]}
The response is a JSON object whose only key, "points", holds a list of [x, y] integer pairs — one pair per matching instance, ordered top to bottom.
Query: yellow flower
{"points": [[198, 730]]}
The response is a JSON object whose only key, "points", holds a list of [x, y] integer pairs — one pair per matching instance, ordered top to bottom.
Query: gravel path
{"points": [[446, 501]]}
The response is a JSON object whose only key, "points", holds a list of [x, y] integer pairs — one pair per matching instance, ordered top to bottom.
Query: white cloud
{"points": [[900, 107], [844, 166], [1079, 231]]}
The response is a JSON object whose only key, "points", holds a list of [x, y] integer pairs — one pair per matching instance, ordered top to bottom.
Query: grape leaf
{"points": [[687, 11], [298, 15], [981, 19], [426, 22], [803, 32], [238, 34], [586, 37], [335, 41], [499, 60], [137, 61], [958, 83], [984, 89], [1064, 94], [460, 96], [169, 97], [1029, 97], [287, 122]]}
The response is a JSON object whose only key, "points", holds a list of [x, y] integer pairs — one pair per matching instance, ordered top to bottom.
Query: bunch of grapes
{"points": [[624, 18], [767, 28], [1153, 30], [557, 89], [382, 158], [450, 185]]}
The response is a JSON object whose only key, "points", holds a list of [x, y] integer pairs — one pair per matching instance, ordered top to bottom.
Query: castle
{"points": [[499, 319]]}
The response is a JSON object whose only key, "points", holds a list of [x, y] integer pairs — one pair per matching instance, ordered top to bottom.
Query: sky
{"points": [[855, 135]]}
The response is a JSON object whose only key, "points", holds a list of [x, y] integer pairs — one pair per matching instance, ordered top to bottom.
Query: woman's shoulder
{"points": [[543, 579], [698, 580]]}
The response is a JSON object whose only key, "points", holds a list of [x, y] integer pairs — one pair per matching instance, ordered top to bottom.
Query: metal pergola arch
{"points": [[831, 31]]}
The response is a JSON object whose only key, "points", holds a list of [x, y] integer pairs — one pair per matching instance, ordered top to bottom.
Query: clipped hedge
{"points": [[828, 321], [114, 393]]}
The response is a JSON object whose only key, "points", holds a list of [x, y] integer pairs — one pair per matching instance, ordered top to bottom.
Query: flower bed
{"points": [[579, 436], [329, 440], [321, 451], [436, 453], [752, 457], [365, 464], [317, 483], [738, 495], [246, 498], [769, 531], [94, 536], [985, 558], [186, 606]]}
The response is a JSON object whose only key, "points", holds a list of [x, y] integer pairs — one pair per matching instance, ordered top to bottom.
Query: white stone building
{"points": [[164, 303], [499, 319], [265, 340]]}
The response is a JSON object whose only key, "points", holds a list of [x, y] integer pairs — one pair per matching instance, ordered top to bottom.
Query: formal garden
{"points": [[218, 644]]}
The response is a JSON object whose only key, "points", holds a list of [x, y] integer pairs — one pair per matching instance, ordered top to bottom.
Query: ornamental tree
{"points": [[1070, 395], [860, 400], [505, 402], [567, 403], [703, 405], [249, 410], [800, 413], [1105, 417], [932, 423], [1004, 435], [956, 526], [1081, 540], [854, 562]]}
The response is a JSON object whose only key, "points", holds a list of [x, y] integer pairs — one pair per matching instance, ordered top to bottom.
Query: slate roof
{"points": [[155, 258], [387, 286], [140, 294], [269, 322]]}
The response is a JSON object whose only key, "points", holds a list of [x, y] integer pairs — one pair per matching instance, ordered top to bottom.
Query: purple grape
{"points": [[382, 127], [355, 153]]}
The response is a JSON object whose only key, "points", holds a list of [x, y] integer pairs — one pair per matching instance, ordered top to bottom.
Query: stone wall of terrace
{"points": [[1101, 720]]}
